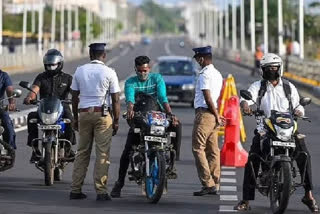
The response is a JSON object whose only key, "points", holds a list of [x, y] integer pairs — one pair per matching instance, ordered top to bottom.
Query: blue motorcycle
{"points": [[52, 126]]}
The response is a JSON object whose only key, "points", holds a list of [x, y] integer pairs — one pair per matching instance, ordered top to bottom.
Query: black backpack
{"points": [[286, 88]]}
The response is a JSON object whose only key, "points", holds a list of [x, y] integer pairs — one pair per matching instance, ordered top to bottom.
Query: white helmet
{"points": [[271, 59]]}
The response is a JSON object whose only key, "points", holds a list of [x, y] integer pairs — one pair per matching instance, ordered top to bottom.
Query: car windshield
{"points": [[173, 68]]}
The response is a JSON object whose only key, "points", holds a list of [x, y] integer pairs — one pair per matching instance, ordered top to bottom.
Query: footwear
{"points": [[70, 155], [35, 156], [116, 190], [206, 191], [76, 196], [103, 197], [311, 204], [242, 206]]}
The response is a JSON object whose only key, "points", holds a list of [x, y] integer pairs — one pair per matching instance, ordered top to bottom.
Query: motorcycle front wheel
{"points": [[49, 165], [155, 183], [280, 188]]}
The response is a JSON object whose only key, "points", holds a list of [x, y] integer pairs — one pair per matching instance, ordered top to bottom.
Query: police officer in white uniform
{"points": [[92, 85], [207, 120]]}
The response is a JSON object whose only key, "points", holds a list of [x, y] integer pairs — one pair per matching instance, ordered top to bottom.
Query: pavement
{"points": [[22, 188]]}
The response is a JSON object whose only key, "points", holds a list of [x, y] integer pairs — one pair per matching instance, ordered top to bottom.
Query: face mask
{"points": [[51, 67], [270, 75], [142, 76]]}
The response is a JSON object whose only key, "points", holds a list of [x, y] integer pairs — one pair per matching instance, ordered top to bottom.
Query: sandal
{"points": [[311, 204], [242, 206]]}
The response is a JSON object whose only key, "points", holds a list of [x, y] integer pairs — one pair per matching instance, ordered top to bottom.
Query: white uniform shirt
{"points": [[209, 79], [94, 80], [275, 97]]}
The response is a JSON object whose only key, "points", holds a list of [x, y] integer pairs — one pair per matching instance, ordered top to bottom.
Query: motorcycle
{"points": [[51, 125], [7, 153], [152, 160], [277, 177]]}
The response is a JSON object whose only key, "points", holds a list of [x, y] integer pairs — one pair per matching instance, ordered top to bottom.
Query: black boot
{"points": [[35, 156], [116, 190]]}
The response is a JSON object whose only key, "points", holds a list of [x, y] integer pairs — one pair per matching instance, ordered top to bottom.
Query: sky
{"points": [[161, 1]]}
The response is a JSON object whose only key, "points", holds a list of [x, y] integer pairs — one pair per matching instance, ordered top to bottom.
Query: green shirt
{"points": [[154, 86]]}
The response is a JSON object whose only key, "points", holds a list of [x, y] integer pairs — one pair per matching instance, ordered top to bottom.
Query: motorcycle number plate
{"points": [[46, 127], [156, 139], [285, 144]]}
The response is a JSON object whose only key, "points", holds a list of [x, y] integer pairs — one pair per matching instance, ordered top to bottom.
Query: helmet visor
{"points": [[52, 59]]}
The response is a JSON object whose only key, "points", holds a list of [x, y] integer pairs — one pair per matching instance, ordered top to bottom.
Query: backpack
{"points": [[286, 88]]}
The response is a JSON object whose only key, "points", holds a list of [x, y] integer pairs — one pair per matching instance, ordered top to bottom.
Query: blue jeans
{"points": [[9, 135]]}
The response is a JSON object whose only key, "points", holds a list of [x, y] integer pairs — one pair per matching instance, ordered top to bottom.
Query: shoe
{"points": [[70, 155], [35, 156], [116, 190], [206, 191], [76, 196], [103, 197], [311, 204], [242, 206]]}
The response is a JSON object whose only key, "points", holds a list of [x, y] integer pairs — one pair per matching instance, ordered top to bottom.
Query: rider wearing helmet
{"points": [[52, 82], [271, 93]]}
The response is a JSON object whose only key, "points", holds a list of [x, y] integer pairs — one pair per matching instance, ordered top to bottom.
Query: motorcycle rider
{"points": [[52, 82], [154, 85], [274, 98], [9, 134]]}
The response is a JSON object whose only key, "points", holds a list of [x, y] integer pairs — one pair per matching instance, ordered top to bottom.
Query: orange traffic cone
{"points": [[232, 152]]}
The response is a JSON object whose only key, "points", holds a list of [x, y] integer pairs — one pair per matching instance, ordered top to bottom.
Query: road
{"points": [[22, 188]]}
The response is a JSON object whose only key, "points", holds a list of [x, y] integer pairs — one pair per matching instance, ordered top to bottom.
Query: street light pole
{"points": [[33, 18], [227, 23], [53, 24], [234, 25], [265, 25], [0, 26], [62, 26], [69, 26], [87, 26], [215, 26], [253, 26], [24, 27], [280, 27], [40, 29], [220, 29], [301, 29], [242, 43]]}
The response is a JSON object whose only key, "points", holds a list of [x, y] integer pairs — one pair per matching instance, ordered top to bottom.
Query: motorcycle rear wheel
{"points": [[49, 165], [155, 183], [280, 188]]}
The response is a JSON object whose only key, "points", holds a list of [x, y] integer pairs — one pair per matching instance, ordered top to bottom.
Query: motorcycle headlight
{"points": [[187, 87], [49, 118], [157, 130], [284, 134]]}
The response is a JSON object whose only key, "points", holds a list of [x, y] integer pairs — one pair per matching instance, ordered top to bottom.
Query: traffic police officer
{"points": [[92, 85], [207, 120]]}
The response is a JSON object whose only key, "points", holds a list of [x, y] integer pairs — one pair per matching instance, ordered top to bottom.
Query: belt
{"points": [[91, 109], [201, 109]]}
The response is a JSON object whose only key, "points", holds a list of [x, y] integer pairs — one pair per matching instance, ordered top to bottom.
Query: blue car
{"points": [[145, 40], [179, 73]]}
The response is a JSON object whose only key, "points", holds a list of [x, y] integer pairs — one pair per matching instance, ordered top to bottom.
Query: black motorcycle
{"points": [[52, 127], [7, 153], [152, 160], [277, 177]]}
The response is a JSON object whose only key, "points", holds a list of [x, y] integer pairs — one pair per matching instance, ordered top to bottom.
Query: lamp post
{"points": [[253, 26]]}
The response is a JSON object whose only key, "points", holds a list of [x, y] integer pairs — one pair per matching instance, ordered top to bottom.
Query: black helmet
{"points": [[53, 61]]}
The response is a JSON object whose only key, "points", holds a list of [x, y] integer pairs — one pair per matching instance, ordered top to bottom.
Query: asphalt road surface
{"points": [[22, 188]]}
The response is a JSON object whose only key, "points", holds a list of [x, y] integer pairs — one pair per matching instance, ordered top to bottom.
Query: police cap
{"points": [[97, 46], [202, 51]]}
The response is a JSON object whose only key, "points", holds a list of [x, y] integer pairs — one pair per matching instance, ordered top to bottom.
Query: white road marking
{"points": [[167, 48], [22, 128], [228, 167], [228, 173], [228, 180], [228, 188], [228, 198], [224, 208]]}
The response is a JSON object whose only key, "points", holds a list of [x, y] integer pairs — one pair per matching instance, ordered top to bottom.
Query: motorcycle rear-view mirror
{"points": [[25, 84], [17, 93], [246, 94], [305, 101]]}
